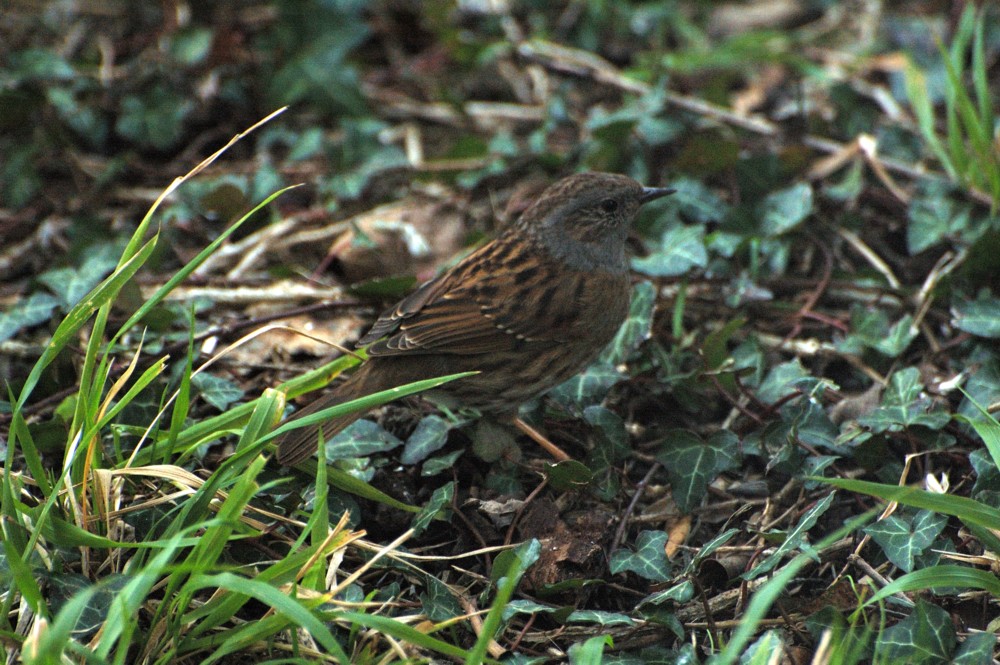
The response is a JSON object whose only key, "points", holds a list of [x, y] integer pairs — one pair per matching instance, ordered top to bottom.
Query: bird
{"points": [[528, 310]]}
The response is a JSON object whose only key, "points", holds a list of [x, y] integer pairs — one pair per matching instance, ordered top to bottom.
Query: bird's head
{"points": [[584, 218]]}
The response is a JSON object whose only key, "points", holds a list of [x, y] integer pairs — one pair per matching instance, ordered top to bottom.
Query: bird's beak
{"points": [[653, 193]]}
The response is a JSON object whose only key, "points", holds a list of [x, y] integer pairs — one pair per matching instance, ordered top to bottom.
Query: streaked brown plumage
{"points": [[528, 310]]}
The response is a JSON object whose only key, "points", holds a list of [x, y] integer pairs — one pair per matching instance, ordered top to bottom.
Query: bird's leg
{"points": [[539, 438]]}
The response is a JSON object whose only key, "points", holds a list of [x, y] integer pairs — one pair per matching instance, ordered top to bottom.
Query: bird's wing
{"points": [[479, 306]]}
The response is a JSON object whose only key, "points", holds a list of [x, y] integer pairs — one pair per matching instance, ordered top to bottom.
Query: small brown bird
{"points": [[528, 310]]}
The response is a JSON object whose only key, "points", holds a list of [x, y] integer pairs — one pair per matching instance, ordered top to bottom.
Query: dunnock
{"points": [[528, 310]]}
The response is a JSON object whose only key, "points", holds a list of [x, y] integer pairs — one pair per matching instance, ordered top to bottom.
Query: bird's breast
{"points": [[595, 305]]}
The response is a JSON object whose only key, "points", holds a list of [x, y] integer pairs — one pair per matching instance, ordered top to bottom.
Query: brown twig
{"points": [[580, 63], [815, 294], [223, 332], [623, 521], [509, 538]]}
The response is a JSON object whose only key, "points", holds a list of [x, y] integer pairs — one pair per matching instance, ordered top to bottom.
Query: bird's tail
{"points": [[299, 444]]}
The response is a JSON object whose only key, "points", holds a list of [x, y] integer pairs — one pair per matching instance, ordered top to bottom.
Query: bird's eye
{"points": [[609, 205]]}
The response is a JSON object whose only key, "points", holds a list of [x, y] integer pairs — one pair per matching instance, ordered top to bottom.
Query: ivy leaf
{"points": [[192, 45], [38, 64], [320, 71], [155, 119], [89, 125], [362, 156], [19, 177], [352, 184], [695, 202], [785, 209], [933, 218], [681, 248], [71, 284], [36, 308], [978, 317], [637, 327], [871, 328], [900, 335], [780, 381], [983, 385], [587, 388], [217, 391], [905, 405], [810, 423], [430, 436], [361, 438], [611, 445], [693, 464], [436, 465], [814, 468], [987, 473], [569, 475], [439, 503], [796, 539], [902, 539], [709, 548], [649, 560], [513, 563], [64, 587], [679, 593], [438, 602], [523, 606], [601, 618], [926, 636], [763, 648], [976, 648], [590, 651]]}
